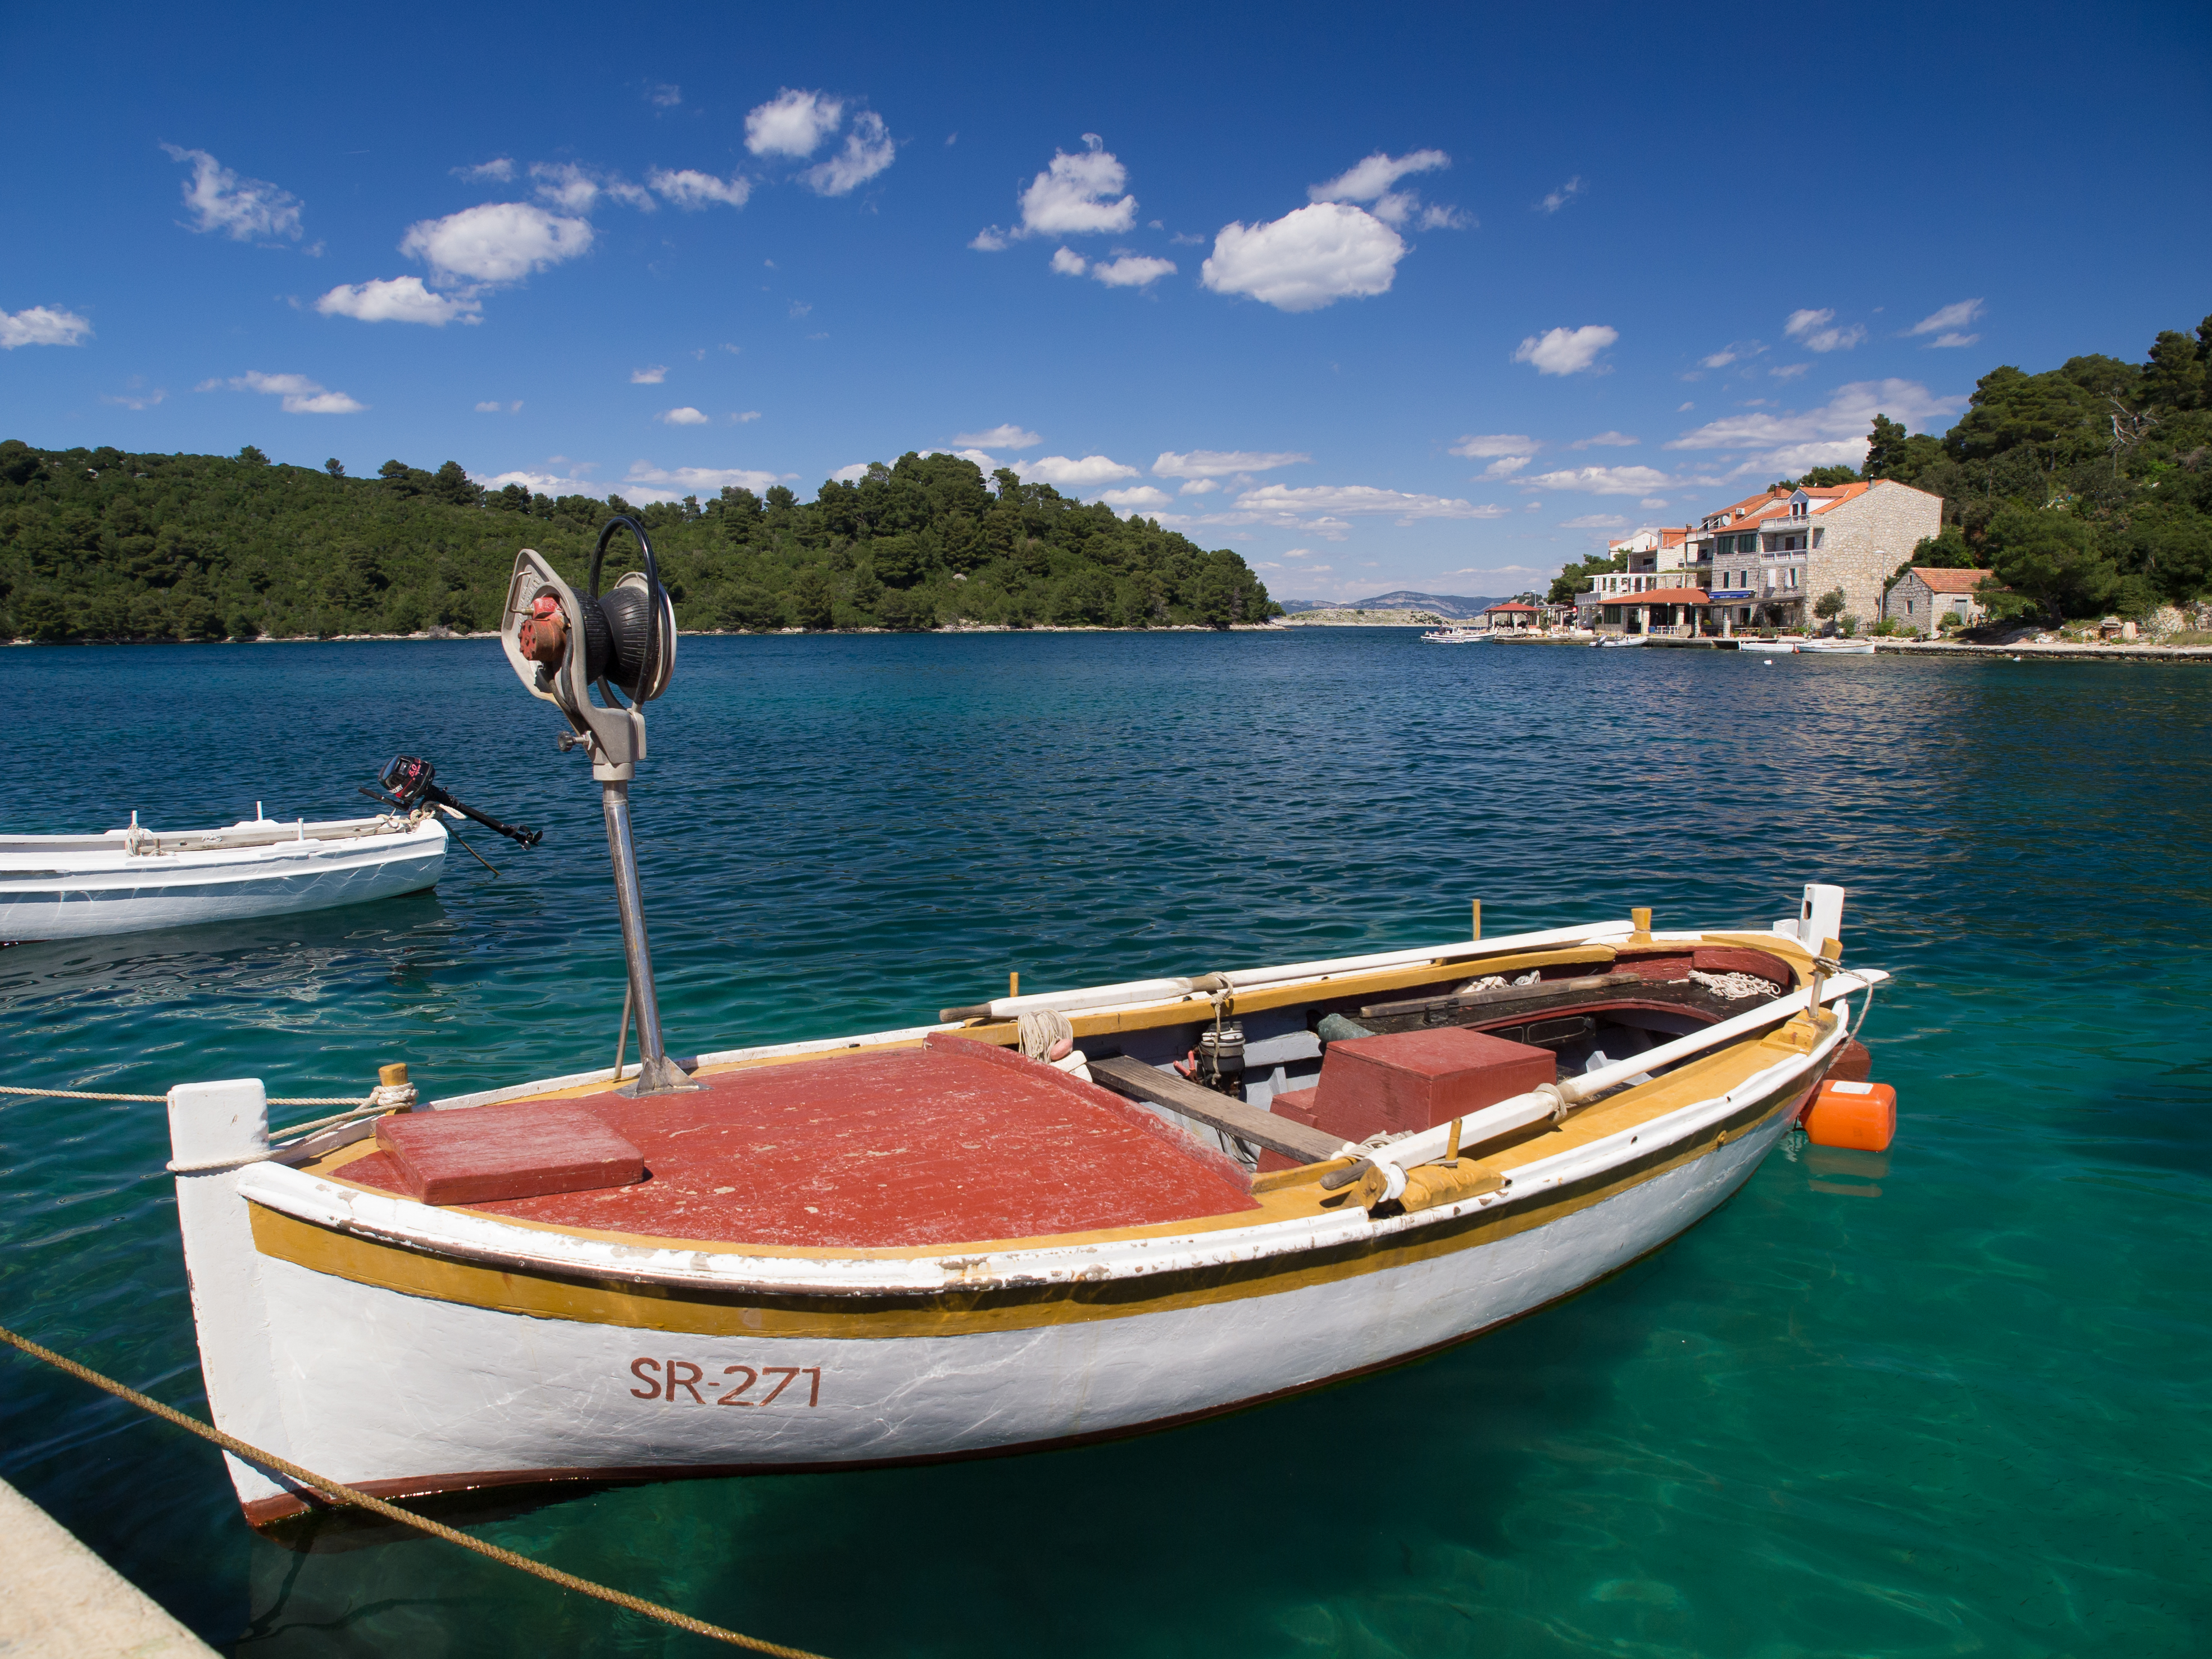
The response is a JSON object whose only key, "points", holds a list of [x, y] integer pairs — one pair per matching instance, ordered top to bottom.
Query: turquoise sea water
{"points": [[1949, 1400]]}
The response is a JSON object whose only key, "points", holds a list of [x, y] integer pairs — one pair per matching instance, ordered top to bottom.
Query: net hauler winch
{"points": [[562, 644]]}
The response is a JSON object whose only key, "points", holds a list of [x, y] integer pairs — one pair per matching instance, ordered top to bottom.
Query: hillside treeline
{"points": [[2085, 488], [98, 544]]}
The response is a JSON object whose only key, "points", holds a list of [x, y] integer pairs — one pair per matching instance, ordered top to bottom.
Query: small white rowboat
{"points": [[127, 881], [971, 1237], [920, 1244]]}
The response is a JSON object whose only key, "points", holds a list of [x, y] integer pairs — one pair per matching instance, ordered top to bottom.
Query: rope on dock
{"points": [[345, 1494]]}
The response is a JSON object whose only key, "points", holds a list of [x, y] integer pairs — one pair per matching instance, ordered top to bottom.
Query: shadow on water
{"points": [[212, 950]]}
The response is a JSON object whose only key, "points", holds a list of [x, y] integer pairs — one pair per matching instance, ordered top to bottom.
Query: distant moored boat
{"points": [[130, 880]]}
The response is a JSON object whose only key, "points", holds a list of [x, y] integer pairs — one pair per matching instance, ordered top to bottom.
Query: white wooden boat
{"points": [[1455, 636], [1621, 641], [1771, 647], [1835, 647], [129, 880], [971, 1236]]}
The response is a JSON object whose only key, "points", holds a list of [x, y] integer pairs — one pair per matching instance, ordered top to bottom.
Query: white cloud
{"points": [[664, 96], [793, 122], [869, 149], [498, 170], [1372, 180], [577, 189], [692, 190], [1078, 195], [1560, 197], [242, 209], [990, 240], [498, 242], [1306, 259], [1066, 262], [1132, 271], [399, 299], [1948, 320], [42, 325], [1816, 329], [1953, 340], [1566, 351], [1718, 359], [1788, 371], [651, 376], [301, 396], [129, 400], [489, 408], [685, 416], [741, 417], [1841, 423], [1008, 436], [1607, 440], [1475, 446], [1799, 458], [1220, 462], [1506, 466], [1062, 473], [852, 474], [1604, 480], [645, 481], [540, 483], [1198, 487], [1143, 495], [1328, 498], [1652, 501], [1596, 521], [1298, 553]]}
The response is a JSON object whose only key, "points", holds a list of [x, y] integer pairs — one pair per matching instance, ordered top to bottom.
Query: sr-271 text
{"points": [[678, 1382]]}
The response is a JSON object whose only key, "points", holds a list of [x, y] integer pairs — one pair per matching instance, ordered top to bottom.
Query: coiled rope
{"points": [[345, 1494]]}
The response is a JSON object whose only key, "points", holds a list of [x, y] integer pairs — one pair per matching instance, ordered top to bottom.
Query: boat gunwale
{"points": [[968, 1268]]}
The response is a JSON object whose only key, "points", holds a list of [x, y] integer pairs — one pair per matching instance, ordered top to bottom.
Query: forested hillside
{"points": [[2086, 489], [103, 545]]}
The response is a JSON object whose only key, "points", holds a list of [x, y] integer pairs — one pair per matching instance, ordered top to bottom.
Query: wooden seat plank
{"points": [[1139, 1081]]}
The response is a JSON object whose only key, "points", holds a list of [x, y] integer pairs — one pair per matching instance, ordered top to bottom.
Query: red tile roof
{"points": [[1951, 581], [1659, 596], [1510, 606]]}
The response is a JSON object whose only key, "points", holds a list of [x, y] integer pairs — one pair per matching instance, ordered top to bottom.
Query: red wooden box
{"points": [[1417, 1079], [484, 1153]]}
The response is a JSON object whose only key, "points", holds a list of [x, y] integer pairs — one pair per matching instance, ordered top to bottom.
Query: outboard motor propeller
{"points": [[563, 643]]}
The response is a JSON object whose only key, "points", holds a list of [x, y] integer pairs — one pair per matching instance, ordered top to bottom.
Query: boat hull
{"points": [[84, 904], [453, 1376]]}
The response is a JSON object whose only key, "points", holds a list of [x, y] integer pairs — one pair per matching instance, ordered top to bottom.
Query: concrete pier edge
{"points": [[59, 1599]]}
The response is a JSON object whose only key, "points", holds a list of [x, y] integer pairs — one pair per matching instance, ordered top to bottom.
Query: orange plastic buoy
{"points": [[1860, 1115]]}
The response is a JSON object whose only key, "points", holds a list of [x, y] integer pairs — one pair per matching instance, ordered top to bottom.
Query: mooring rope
{"points": [[147, 1100], [346, 1494]]}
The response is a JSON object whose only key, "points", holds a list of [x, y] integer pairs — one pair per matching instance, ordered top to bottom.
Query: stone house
{"points": [[1770, 557], [1923, 596]]}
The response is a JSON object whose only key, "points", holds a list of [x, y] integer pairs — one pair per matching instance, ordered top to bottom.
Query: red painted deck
{"points": [[945, 1145]]}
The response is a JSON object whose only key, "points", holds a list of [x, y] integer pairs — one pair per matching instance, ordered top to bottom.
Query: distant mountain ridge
{"points": [[1444, 605]]}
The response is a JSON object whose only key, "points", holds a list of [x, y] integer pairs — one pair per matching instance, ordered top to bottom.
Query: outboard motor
{"points": [[562, 644], [408, 783]]}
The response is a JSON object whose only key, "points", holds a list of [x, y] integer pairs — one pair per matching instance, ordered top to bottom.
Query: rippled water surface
{"points": [[1949, 1400]]}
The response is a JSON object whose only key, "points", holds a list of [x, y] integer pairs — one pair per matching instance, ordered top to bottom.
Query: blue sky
{"points": [[1435, 298]]}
